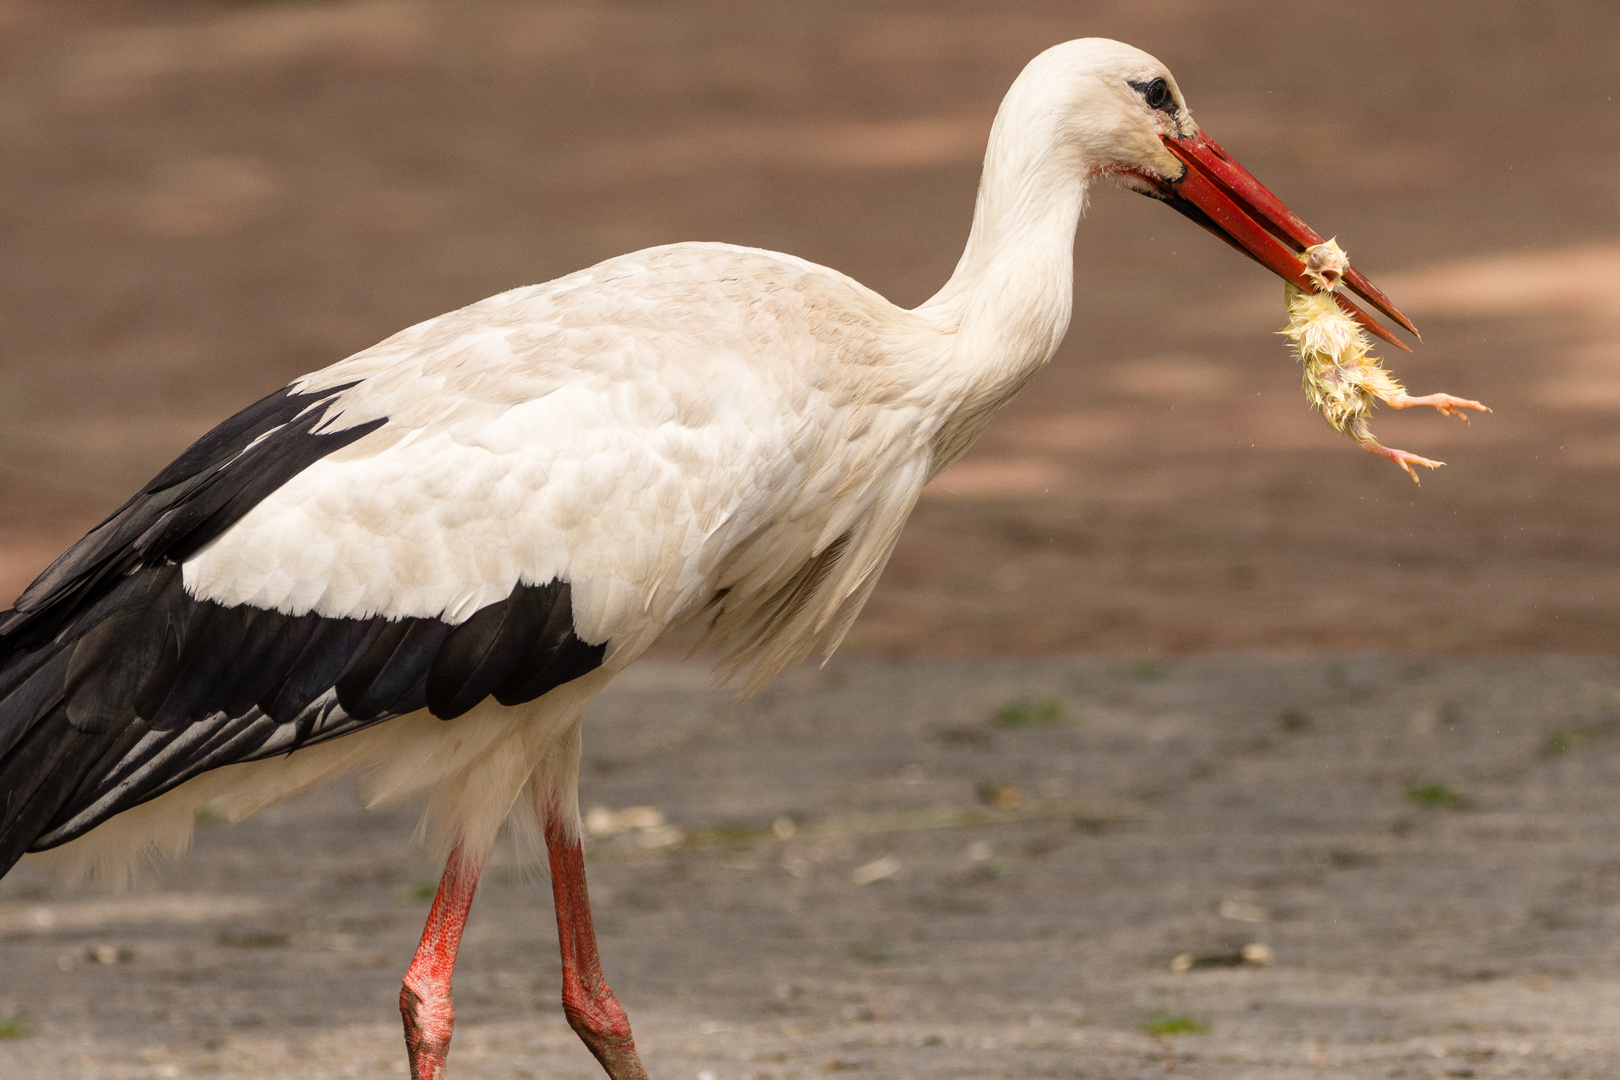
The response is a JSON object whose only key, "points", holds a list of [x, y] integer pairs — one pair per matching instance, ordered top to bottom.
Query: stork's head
{"points": [[1119, 114]]}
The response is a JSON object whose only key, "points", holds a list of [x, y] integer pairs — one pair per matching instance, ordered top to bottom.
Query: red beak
{"points": [[1225, 198]]}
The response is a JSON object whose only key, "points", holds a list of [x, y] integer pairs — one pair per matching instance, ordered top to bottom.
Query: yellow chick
{"points": [[1341, 379]]}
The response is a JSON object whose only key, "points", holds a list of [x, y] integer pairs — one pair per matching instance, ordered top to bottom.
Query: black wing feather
{"points": [[213, 636], [331, 652], [121, 653], [268, 653], [482, 653], [556, 656], [392, 669], [116, 685], [33, 699], [39, 771]]}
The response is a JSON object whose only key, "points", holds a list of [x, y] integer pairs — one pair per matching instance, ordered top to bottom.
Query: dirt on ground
{"points": [[206, 198], [981, 868]]}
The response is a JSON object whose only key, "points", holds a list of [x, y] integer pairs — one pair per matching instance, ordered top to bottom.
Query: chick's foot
{"points": [[1448, 405], [1404, 458]]}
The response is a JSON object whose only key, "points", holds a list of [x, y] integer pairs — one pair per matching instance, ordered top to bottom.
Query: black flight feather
{"points": [[213, 636], [272, 645], [331, 652], [482, 652], [117, 656], [393, 667], [534, 674], [117, 685], [31, 701], [36, 777]]}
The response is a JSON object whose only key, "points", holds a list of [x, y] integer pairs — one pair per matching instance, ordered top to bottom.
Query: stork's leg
{"points": [[425, 999], [593, 1012]]}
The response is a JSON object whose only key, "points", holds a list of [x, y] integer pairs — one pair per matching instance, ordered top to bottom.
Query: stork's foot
{"points": [[1448, 405], [1403, 458], [604, 1028], [427, 1033]]}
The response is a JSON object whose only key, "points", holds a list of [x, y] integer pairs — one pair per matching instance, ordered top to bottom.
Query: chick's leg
{"points": [[1446, 403]]}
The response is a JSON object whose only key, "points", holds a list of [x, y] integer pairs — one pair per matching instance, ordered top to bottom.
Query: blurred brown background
{"points": [[203, 199]]}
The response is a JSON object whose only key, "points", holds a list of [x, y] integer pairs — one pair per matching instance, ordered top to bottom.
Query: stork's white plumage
{"points": [[423, 562]]}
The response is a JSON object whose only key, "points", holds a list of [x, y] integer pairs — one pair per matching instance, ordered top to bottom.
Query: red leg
{"points": [[425, 999], [593, 1012]]}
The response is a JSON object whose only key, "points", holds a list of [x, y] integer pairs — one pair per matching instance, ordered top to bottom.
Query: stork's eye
{"points": [[1156, 94]]}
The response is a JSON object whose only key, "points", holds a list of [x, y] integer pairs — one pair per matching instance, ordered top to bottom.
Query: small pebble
{"points": [[876, 870]]}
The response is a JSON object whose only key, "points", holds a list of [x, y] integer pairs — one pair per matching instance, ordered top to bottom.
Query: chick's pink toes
{"points": [[1448, 404], [1405, 459]]}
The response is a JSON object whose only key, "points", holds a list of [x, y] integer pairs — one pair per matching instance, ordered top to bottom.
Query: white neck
{"points": [[1009, 299]]}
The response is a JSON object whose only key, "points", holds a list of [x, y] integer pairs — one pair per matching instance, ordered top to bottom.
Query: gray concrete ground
{"points": [[1424, 845]]}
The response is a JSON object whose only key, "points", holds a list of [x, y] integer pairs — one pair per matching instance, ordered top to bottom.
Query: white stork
{"points": [[421, 563]]}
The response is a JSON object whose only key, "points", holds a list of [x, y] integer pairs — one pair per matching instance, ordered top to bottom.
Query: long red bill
{"points": [[1225, 198]]}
